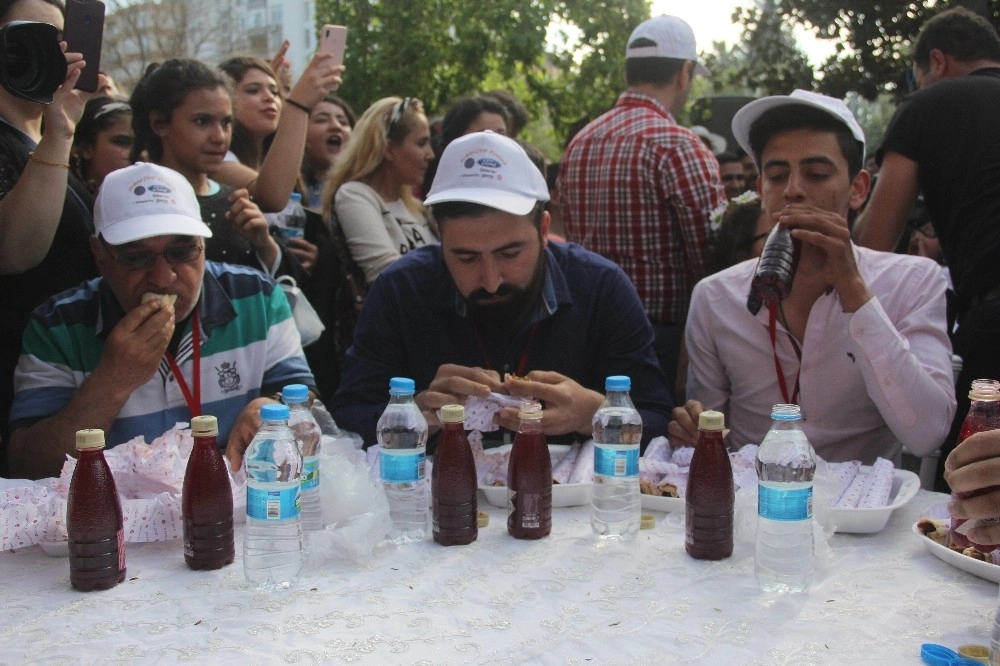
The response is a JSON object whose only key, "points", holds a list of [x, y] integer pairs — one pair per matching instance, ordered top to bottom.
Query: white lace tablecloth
{"points": [[561, 600]]}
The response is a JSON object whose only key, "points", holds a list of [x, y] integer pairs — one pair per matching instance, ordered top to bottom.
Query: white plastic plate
{"points": [[563, 494], [664, 504], [864, 521], [956, 559]]}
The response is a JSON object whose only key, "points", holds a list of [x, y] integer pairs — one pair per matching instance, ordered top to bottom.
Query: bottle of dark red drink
{"points": [[984, 414], [529, 478], [453, 482], [710, 495], [207, 500], [94, 519]]}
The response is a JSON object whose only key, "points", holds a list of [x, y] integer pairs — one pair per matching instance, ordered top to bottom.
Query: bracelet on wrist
{"points": [[298, 105], [36, 158]]}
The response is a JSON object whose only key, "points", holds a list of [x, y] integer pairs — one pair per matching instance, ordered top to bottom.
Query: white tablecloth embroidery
{"points": [[562, 600]]}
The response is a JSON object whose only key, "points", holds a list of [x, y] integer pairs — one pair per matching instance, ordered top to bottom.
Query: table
{"points": [[562, 600]]}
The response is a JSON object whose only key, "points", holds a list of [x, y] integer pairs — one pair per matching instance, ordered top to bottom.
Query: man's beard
{"points": [[509, 314]]}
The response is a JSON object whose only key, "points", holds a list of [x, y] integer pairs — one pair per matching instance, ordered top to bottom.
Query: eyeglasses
{"points": [[398, 111], [144, 260]]}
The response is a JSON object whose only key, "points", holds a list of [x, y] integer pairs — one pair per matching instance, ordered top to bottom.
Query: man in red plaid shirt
{"points": [[639, 189]]}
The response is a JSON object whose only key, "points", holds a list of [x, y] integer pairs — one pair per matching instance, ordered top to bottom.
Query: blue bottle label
{"points": [[613, 460], [402, 465], [310, 473], [272, 502], [787, 504]]}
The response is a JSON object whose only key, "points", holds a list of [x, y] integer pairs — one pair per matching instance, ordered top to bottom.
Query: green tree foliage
{"points": [[872, 39], [441, 49]]}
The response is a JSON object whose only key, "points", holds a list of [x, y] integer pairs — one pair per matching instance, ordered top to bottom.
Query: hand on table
{"points": [[569, 407], [974, 465]]}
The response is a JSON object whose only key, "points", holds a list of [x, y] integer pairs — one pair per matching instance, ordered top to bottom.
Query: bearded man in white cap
{"points": [[640, 189], [496, 307], [160, 337], [859, 342]]}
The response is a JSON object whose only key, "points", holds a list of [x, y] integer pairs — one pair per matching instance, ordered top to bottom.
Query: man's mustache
{"points": [[483, 295]]}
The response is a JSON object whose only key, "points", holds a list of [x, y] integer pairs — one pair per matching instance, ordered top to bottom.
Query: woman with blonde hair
{"points": [[369, 194]]}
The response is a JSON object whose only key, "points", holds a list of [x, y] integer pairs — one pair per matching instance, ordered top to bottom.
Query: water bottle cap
{"points": [[296, 197], [618, 383], [401, 386], [984, 389], [295, 393], [530, 410], [274, 412], [786, 413], [453, 414], [711, 420], [204, 426], [89, 438], [939, 655]]}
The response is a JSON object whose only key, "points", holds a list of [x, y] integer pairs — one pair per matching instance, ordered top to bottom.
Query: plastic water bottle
{"points": [[292, 218], [307, 431], [402, 433], [786, 463], [615, 511], [272, 545]]}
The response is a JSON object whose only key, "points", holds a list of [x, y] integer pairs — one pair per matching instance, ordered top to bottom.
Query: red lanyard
{"points": [[772, 331], [522, 363], [193, 399]]}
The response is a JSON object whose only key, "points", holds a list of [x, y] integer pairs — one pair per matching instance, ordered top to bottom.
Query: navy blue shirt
{"points": [[589, 324]]}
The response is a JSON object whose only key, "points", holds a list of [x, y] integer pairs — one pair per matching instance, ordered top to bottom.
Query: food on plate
{"points": [[575, 465], [936, 529]]}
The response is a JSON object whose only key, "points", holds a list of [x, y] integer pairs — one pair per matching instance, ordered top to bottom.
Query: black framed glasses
{"points": [[144, 259]]}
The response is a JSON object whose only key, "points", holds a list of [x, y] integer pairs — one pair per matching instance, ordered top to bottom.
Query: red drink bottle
{"points": [[984, 414], [529, 478], [453, 482], [710, 494], [207, 500], [94, 519]]}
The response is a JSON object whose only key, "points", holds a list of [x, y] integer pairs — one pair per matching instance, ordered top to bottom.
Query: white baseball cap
{"points": [[671, 37], [750, 113], [490, 169], [145, 200]]}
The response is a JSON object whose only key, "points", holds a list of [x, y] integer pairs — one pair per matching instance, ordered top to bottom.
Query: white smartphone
{"points": [[334, 41]]}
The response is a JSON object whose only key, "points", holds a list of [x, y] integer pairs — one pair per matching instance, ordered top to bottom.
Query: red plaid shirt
{"points": [[638, 188]]}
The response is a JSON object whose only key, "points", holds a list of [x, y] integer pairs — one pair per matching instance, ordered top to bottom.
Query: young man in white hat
{"points": [[639, 189], [495, 299], [160, 337], [860, 342]]}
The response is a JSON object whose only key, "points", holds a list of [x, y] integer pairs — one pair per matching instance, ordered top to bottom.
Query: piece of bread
{"points": [[167, 299]]}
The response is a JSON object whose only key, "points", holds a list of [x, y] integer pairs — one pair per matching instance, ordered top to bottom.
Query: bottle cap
{"points": [[295, 196], [618, 383], [401, 386], [984, 389], [295, 393], [530, 410], [273, 412], [786, 413], [453, 414], [711, 420], [204, 426], [89, 438], [482, 519], [647, 521], [980, 653]]}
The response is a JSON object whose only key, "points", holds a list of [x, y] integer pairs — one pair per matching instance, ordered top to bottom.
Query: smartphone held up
{"points": [[84, 33], [333, 41]]}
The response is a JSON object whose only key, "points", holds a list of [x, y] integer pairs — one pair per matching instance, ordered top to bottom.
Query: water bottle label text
{"points": [[620, 461], [404, 466], [310, 473], [273, 504], [784, 504]]}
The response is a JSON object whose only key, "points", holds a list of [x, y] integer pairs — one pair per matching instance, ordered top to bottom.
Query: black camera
{"points": [[32, 66]]}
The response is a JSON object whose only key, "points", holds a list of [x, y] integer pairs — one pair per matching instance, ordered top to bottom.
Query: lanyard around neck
{"points": [[772, 328], [522, 363], [193, 398]]}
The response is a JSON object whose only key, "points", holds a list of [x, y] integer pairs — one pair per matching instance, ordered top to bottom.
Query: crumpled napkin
{"points": [[149, 479]]}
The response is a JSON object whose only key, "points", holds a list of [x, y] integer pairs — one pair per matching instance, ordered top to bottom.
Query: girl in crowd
{"points": [[464, 116], [182, 117], [330, 126], [103, 140], [369, 193], [739, 231]]}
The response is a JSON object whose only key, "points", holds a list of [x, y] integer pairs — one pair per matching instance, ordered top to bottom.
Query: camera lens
{"points": [[32, 65]]}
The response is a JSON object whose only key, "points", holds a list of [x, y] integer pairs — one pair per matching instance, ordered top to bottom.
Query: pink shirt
{"points": [[871, 381]]}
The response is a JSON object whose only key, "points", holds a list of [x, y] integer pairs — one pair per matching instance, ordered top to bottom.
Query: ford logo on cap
{"points": [[489, 163], [159, 189]]}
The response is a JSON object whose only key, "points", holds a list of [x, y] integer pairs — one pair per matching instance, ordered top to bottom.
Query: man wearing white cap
{"points": [[639, 189], [495, 299], [160, 337], [860, 341]]}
